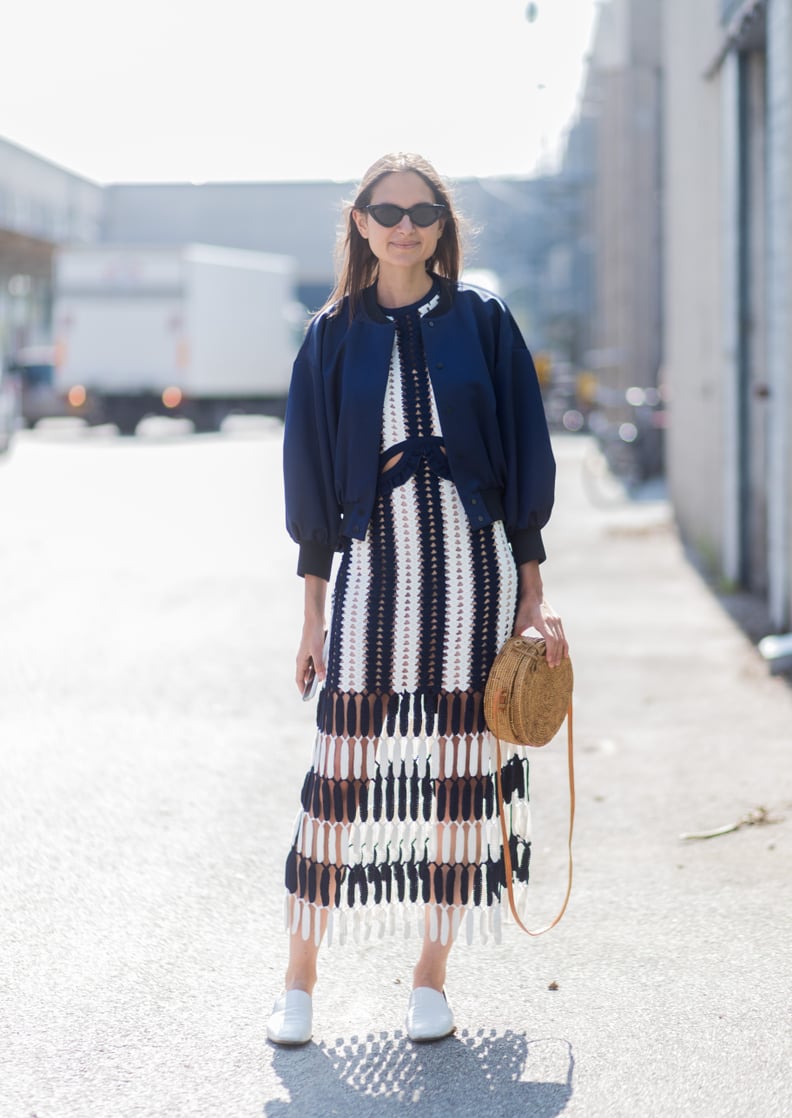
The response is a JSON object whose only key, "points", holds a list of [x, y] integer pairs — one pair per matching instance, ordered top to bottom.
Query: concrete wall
{"points": [[728, 295], [695, 366]]}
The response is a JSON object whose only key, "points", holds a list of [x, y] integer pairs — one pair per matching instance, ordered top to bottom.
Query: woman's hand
{"points": [[533, 612], [313, 633]]}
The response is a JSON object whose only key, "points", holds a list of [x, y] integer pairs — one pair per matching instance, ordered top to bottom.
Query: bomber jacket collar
{"points": [[370, 308]]}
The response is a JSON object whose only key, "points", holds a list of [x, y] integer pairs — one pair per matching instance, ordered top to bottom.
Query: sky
{"points": [[262, 90]]}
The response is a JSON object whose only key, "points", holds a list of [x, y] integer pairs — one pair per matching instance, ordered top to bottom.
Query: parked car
{"points": [[33, 367], [9, 409]]}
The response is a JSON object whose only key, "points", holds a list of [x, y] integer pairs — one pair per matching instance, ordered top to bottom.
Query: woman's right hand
{"points": [[313, 633], [311, 649]]}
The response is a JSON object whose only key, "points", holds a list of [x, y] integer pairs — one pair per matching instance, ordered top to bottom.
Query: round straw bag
{"points": [[525, 700], [525, 703]]}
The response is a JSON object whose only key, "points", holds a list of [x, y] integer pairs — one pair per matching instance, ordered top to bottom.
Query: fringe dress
{"points": [[398, 821]]}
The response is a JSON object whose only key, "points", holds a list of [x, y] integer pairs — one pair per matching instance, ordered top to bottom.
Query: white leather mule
{"points": [[429, 1015], [291, 1021]]}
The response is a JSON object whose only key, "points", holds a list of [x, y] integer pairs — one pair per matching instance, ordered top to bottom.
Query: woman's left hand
{"points": [[534, 612]]}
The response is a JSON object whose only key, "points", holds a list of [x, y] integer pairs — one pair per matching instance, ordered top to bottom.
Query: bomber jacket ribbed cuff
{"points": [[527, 545], [315, 559]]}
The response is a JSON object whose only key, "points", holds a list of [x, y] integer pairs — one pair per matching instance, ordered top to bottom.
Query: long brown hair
{"points": [[357, 264]]}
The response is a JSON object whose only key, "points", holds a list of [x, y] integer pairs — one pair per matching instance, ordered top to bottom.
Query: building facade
{"points": [[41, 206], [728, 290]]}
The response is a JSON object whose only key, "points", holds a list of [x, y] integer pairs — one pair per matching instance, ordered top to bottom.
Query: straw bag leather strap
{"points": [[505, 836]]}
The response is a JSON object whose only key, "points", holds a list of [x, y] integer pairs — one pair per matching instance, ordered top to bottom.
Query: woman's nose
{"points": [[406, 223]]}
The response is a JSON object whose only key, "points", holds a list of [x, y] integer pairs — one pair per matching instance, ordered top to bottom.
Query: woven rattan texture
{"points": [[525, 700]]}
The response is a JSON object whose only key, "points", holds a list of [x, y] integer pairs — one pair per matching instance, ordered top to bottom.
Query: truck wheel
{"points": [[124, 414], [208, 416], [125, 420]]}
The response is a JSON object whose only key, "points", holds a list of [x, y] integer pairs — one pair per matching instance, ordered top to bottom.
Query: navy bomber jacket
{"points": [[488, 402]]}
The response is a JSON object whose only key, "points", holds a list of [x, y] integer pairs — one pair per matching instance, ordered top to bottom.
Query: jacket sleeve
{"points": [[530, 465], [313, 516]]}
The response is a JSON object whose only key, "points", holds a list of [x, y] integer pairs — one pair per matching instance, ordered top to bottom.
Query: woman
{"points": [[416, 445]]}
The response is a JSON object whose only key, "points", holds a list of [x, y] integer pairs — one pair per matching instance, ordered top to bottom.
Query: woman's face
{"points": [[404, 245]]}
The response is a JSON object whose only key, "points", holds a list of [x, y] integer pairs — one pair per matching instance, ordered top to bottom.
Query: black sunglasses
{"points": [[423, 214]]}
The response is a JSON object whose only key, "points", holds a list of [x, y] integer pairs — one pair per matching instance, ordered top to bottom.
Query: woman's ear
{"points": [[360, 218]]}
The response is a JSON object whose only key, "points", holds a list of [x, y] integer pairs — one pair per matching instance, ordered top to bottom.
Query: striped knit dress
{"points": [[398, 820]]}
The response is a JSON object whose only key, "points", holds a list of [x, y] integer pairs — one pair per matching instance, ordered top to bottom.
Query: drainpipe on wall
{"points": [[779, 300], [730, 303], [744, 324]]}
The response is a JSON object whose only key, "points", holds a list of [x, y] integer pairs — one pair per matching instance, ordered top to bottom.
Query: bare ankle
{"points": [[433, 977], [296, 980]]}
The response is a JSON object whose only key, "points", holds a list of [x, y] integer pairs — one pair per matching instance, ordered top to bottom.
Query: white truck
{"points": [[192, 330]]}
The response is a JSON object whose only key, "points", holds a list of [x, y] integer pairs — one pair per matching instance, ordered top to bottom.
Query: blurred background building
{"points": [[622, 100], [41, 205]]}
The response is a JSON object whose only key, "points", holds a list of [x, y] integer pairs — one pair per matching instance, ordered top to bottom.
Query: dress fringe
{"points": [[405, 831], [374, 924]]}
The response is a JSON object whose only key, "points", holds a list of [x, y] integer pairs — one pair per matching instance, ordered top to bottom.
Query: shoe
{"points": [[429, 1015], [291, 1021]]}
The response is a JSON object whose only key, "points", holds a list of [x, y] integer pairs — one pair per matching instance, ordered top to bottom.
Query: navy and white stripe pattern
{"points": [[398, 809]]}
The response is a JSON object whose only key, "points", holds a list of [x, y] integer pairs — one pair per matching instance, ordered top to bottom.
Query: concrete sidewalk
{"points": [[153, 748], [672, 963]]}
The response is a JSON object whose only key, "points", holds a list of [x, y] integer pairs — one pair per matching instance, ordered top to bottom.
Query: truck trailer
{"points": [[191, 330]]}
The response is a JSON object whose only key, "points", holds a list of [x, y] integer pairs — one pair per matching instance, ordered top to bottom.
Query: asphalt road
{"points": [[152, 747]]}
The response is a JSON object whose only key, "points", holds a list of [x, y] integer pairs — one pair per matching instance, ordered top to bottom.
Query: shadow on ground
{"points": [[749, 612], [467, 1075]]}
